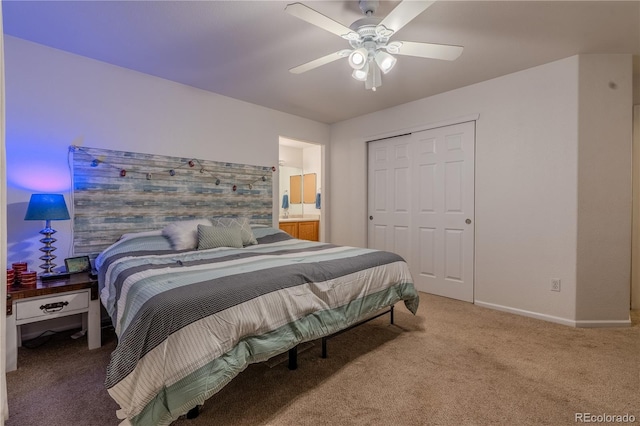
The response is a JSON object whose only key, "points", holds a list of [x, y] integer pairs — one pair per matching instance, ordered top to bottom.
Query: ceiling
{"points": [[243, 49]]}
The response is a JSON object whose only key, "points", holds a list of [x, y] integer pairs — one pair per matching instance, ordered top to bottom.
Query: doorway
{"points": [[300, 189]]}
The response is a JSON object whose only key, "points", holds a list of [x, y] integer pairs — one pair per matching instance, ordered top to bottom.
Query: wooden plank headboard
{"points": [[155, 190]]}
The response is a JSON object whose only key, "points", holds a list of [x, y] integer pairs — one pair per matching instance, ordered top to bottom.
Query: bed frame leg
{"points": [[325, 338], [293, 358], [194, 412]]}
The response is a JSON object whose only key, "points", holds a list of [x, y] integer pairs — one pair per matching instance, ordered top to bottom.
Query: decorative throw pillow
{"points": [[240, 222], [184, 234], [218, 236]]}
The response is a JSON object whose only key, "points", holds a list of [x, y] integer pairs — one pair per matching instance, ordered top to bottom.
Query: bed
{"points": [[189, 319]]}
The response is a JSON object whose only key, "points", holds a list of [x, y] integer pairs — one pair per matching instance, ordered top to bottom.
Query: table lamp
{"points": [[47, 207]]}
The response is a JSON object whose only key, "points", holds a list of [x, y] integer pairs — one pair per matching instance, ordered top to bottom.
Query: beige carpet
{"points": [[453, 364]]}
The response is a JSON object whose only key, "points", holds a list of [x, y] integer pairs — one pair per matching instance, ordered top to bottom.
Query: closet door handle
{"points": [[468, 221]]}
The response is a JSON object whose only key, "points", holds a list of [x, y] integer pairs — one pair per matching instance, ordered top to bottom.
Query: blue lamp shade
{"points": [[47, 207]]}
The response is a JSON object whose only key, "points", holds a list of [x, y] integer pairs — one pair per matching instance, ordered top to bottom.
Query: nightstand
{"points": [[77, 294]]}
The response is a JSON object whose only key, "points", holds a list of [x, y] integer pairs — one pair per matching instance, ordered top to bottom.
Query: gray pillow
{"points": [[240, 222], [218, 236]]}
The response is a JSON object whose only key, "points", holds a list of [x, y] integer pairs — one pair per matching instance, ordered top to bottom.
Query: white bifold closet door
{"points": [[421, 205]]}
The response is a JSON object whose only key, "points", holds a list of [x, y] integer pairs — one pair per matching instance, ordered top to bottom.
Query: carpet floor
{"points": [[452, 364]]}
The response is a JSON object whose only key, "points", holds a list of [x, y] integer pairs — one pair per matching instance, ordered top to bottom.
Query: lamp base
{"points": [[47, 249]]}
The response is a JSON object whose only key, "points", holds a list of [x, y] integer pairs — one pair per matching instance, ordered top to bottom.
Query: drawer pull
{"points": [[53, 307]]}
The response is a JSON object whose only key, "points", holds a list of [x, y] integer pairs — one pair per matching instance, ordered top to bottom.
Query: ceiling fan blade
{"points": [[305, 13], [403, 13], [430, 50], [320, 61]]}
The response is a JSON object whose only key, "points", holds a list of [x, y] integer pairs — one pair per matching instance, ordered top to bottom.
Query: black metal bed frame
{"points": [[293, 352]]}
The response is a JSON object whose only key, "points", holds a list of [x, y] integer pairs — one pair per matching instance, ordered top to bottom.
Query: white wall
{"points": [[636, 79], [55, 99], [292, 157], [526, 183], [604, 187], [635, 237]]}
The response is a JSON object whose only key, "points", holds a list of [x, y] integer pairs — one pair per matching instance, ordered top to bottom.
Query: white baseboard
{"points": [[554, 319], [603, 324]]}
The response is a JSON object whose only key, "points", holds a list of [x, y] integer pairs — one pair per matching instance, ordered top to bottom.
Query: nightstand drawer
{"points": [[47, 307]]}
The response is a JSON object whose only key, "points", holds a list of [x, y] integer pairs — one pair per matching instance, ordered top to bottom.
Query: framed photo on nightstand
{"points": [[77, 264]]}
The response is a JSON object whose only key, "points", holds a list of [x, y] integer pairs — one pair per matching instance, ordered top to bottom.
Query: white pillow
{"points": [[184, 234]]}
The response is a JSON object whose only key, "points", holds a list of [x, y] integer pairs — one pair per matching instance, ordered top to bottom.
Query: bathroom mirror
{"points": [[309, 188], [295, 189], [302, 189], [298, 192]]}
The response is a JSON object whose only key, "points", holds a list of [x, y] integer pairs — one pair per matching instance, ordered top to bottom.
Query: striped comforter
{"points": [[189, 321]]}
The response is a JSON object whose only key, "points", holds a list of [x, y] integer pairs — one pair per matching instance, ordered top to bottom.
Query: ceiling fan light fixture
{"points": [[358, 58], [385, 61], [361, 75]]}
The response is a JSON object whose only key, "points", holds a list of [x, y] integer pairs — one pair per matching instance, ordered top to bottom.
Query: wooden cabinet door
{"points": [[290, 228], [308, 230]]}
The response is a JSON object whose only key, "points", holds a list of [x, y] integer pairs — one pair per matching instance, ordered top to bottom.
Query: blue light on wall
{"points": [[37, 167]]}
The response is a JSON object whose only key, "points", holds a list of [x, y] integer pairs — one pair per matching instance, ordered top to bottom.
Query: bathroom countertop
{"points": [[299, 219]]}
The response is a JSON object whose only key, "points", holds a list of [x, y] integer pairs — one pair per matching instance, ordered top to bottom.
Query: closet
{"points": [[421, 205]]}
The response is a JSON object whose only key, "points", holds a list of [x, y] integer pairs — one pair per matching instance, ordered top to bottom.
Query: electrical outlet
{"points": [[555, 284]]}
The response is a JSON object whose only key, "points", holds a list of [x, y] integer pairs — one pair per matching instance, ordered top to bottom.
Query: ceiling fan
{"points": [[371, 50]]}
